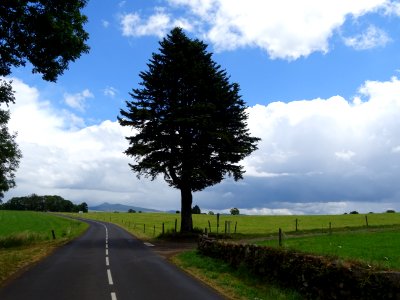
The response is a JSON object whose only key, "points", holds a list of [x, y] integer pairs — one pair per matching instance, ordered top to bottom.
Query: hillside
{"points": [[109, 207]]}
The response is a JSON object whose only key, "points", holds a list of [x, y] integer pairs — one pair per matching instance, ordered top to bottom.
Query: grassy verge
{"points": [[26, 237], [379, 247], [234, 284]]}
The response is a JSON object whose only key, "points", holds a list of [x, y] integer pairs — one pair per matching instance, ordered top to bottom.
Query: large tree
{"points": [[47, 33], [189, 121], [9, 151]]}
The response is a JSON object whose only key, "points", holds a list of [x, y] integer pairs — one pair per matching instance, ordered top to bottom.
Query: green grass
{"points": [[246, 226], [26, 237], [379, 247], [235, 284]]}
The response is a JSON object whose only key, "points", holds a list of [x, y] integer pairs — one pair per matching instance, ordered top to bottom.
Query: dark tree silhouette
{"points": [[47, 33], [189, 121], [9, 151]]}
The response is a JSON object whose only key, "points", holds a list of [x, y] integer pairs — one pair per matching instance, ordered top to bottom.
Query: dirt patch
{"points": [[168, 249]]}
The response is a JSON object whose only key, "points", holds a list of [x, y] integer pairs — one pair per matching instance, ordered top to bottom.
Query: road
{"points": [[105, 263]]}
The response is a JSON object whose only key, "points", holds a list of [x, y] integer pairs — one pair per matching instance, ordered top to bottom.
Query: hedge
{"points": [[316, 277]]}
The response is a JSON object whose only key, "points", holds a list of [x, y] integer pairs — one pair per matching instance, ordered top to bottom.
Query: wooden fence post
{"points": [[297, 221], [217, 222], [176, 225], [209, 225], [235, 226], [144, 228], [163, 228], [330, 228], [53, 234], [280, 237]]}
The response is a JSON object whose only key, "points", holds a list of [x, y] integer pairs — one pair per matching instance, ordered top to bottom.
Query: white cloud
{"points": [[105, 23], [157, 24], [285, 29], [373, 37], [110, 91], [78, 100], [316, 156]]}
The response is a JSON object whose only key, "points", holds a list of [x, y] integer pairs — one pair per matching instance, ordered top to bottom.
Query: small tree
{"points": [[189, 121], [196, 210], [235, 211]]}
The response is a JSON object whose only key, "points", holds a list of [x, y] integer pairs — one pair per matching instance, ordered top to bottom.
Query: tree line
{"points": [[43, 203]]}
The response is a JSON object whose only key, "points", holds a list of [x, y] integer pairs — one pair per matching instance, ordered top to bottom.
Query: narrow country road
{"points": [[105, 263]]}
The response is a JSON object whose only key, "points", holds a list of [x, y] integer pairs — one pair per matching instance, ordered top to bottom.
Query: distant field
{"points": [[150, 224], [26, 237]]}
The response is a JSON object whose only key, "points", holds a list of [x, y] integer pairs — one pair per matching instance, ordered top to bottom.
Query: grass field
{"points": [[148, 225], [26, 237], [379, 247]]}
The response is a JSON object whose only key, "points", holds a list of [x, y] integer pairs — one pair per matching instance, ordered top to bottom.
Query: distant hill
{"points": [[107, 207]]}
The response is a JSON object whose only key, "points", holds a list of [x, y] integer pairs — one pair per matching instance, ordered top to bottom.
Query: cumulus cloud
{"points": [[157, 24], [284, 29], [373, 37], [78, 100], [316, 156], [78, 163]]}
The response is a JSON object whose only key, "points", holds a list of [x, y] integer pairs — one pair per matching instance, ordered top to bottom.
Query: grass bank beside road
{"points": [[26, 237]]}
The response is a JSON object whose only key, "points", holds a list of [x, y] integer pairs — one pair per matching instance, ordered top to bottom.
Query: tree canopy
{"points": [[47, 33], [190, 121], [43, 203]]}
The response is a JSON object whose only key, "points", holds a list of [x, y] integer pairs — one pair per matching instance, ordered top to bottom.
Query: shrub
{"points": [[235, 211], [391, 211], [354, 212]]}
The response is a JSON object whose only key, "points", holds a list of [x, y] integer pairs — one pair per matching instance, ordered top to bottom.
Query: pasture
{"points": [[149, 225], [26, 237]]}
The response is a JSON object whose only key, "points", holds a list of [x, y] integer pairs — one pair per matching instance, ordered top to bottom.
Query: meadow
{"points": [[149, 225], [26, 237]]}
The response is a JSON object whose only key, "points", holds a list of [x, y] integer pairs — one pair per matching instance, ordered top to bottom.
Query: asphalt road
{"points": [[105, 263]]}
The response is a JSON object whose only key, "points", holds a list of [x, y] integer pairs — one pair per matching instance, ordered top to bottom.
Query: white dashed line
{"points": [[148, 244], [106, 251], [107, 261], [110, 281], [113, 296]]}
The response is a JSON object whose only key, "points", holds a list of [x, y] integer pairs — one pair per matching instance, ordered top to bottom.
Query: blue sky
{"points": [[320, 79]]}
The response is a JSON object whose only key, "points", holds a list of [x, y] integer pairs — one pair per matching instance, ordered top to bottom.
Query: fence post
{"points": [[366, 220], [297, 221], [217, 222], [176, 225], [209, 225], [225, 226], [235, 226], [144, 228], [330, 228], [154, 230], [163, 231], [53, 234], [280, 237]]}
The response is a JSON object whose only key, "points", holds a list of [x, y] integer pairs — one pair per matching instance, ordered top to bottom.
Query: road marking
{"points": [[148, 244], [106, 246], [106, 251], [107, 261], [110, 281], [113, 296]]}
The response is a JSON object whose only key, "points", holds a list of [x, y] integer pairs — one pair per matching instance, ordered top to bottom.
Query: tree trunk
{"points": [[186, 209]]}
